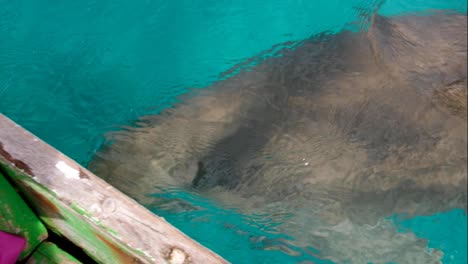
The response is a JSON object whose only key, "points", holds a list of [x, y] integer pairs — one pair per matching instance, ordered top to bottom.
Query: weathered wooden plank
{"points": [[17, 218], [108, 225], [51, 254]]}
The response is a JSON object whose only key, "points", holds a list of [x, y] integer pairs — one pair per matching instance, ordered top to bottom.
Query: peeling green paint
{"points": [[77, 205], [79, 210], [84, 213], [17, 218], [70, 221], [50, 253]]}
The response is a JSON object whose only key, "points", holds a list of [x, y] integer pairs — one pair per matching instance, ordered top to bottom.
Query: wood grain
{"points": [[108, 225]]}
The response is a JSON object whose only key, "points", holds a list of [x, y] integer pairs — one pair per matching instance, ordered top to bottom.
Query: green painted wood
{"points": [[17, 218], [72, 222], [108, 225], [51, 254]]}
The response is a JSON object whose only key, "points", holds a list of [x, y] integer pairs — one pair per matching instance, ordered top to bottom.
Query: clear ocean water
{"points": [[71, 71]]}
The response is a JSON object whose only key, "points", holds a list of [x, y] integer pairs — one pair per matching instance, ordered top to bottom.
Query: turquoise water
{"points": [[71, 71], [443, 231], [240, 238]]}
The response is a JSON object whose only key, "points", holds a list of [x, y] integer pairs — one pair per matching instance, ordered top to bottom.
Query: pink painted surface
{"points": [[10, 247]]}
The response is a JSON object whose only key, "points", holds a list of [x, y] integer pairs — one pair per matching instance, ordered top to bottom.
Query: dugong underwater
{"points": [[338, 132]]}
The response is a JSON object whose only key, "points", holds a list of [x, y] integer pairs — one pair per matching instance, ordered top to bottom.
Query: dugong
{"points": [[339, 130]]}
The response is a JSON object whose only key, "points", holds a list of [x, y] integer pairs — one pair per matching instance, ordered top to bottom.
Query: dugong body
{"points": [[341, 130]]}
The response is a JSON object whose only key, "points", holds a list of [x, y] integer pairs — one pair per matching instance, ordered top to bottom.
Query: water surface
{"points": [[72, 71]]}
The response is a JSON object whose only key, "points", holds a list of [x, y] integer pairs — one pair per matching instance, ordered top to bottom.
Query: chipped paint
{"points": [[17, 163], [68, 171], [65, 196], [95, 208], [17, 218], [95, 220], [141, 251], [50, 253], [121, 255], [177, 256]]}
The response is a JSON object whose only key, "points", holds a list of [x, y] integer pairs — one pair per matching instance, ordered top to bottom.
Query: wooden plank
{"points": [[17, 218], [108, 225], [49, 253]]}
